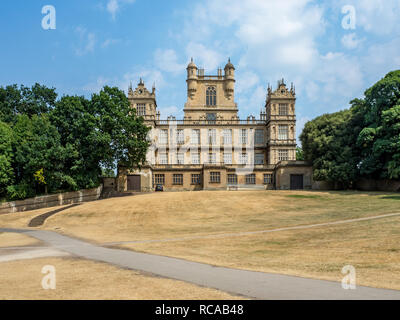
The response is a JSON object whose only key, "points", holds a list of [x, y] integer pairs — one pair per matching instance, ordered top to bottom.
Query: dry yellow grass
{"points": [[16, 240], [371, 246], [82, 279]]}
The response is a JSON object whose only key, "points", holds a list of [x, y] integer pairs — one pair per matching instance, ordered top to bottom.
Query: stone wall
{"points": [[51, 200]]}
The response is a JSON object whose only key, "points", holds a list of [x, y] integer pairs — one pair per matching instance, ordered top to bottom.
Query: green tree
{"points": [[379, 139], [328, 143], [299, 154], [6, 155]]}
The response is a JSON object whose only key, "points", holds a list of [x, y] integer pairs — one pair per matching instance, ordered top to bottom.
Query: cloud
{"points": [[113, 6], [87, 39], [350, 41], [109, 42], [205, 57], [167, 60], [149, 77], [96, 86], [168, 111]]}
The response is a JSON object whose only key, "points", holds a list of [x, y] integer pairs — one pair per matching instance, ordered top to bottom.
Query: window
{"points": [[211, 96], [141, 109], [283, 109], [211, 118], [283, 132], [163, 136], [196, 136], [212, 136], [228, 136], [243, 136], [259, 136], [180, 138], [283, 155], [163, 158], [180, 158], [195, 158], [212, 158], [228, 158], [243, 158], [259, 158], [215, 177], [232, 178], [251, 178], [267, 178], [159, 179], [177, 179], [196, 179]]}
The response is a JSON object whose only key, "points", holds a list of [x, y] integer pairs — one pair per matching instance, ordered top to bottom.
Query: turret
{"points": [[191, 79], [229, 79]]}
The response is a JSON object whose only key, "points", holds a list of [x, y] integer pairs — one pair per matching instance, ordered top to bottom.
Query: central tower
{"points": [[210, 97]]}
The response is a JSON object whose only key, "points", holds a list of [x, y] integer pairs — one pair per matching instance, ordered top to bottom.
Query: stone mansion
{"points": [[211, 148]]}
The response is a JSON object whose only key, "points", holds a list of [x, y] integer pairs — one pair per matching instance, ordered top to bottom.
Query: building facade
{"points": [[211, 148]]}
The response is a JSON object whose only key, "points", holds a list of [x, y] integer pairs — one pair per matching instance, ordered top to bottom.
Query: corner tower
{"points": [[143, 101], [281, 123]]}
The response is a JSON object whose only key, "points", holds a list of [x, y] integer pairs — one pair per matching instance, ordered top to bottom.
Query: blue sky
{"points": [[113, 42]]}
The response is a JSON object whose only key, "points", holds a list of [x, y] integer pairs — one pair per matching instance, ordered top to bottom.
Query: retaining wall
{"points": [[52, 200]]}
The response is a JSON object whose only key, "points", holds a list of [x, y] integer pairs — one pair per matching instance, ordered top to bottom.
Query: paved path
{"points": [[252, 284]]}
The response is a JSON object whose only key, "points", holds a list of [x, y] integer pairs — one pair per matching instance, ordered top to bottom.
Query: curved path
{"points": [[252, 284]]}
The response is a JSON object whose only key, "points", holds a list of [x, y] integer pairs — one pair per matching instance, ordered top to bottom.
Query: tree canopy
{"points": [[363, 141], [49, 145]]}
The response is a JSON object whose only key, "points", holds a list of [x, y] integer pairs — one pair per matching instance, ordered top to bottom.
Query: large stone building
{"points": [[211, 148]]}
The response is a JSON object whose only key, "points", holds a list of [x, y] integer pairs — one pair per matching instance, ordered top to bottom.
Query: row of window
{"points": [[283, 134], [227, 136], [283, 155], [212, 158], [215, 177]]}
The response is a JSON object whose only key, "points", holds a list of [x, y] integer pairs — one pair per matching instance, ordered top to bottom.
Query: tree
{"points": [[36, 100], [124, 135], [379, 139], [328, 143], [36, 146], [299, 154], [6, 155]]}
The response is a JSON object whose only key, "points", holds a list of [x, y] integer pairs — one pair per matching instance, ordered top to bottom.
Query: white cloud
{"points": [[113, 6], [87, 39], [350, 41], [109, 42], [205, 57], [167, 60], [149, 76], [245, 81], [96, 86], [168, 111]]}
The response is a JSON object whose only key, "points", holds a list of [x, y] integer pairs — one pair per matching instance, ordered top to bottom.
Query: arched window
{"points": [[211, 96]]}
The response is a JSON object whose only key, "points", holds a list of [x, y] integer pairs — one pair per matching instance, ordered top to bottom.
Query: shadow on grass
{"points": [[391, 197]]}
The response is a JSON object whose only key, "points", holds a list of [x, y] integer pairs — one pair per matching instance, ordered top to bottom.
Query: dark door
{"points": [[296, 181], [134, 183]]}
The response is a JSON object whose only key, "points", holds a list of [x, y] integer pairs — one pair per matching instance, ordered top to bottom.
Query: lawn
{"points": [[372, 246], [83, 279]]}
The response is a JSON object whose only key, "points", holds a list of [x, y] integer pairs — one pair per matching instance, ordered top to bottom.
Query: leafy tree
{"points": [[24, 100], [379, 139], [328, 142], [37, 147], [299, 154], [6, 155]]}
